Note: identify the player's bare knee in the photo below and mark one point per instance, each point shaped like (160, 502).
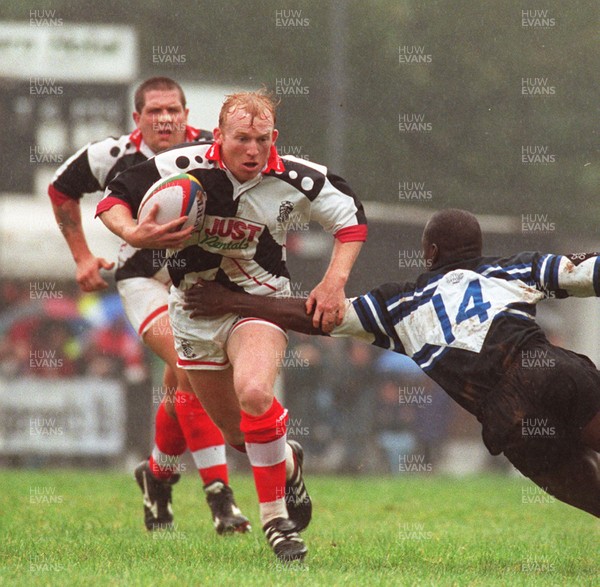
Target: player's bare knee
(256, 405)
(255, 398)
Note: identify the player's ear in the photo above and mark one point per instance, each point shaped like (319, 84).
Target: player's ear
(275, 135)
(136, 118)
(218, 136)
(432, 253)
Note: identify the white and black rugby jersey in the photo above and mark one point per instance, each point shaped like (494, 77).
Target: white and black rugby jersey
(241, 243)
(465, 323)
(93, 167)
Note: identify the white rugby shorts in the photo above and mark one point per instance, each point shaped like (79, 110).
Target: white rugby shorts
(145, 300)
(201, 342)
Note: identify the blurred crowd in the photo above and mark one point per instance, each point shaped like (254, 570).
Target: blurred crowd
(359, 409)
(51, 330)
(355, 408)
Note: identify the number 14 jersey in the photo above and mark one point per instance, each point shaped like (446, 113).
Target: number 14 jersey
(465, 323)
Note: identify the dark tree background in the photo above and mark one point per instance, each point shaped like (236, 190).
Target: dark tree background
(345, 57)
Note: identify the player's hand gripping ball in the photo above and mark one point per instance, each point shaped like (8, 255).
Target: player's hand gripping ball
(177, 195)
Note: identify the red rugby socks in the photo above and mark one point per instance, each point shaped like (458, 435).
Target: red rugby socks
(203, 438)
(169, 445)
(265, 437)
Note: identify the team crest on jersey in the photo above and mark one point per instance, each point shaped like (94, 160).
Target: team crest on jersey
(187, 348)
(455, 277)
(285, 209)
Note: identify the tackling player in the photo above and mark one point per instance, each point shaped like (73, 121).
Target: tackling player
(469, 324)
(142, 281)
(253, 196)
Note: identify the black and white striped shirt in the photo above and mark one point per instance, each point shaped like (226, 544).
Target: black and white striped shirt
(241, 243)
(92, 168)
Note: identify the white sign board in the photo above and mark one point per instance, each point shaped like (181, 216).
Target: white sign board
(31, 245)
(69, 52)
(79, 416)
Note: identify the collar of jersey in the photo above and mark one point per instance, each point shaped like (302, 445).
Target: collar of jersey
(274, 163)
(191, 134)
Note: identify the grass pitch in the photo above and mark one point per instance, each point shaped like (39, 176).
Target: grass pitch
(83, 528)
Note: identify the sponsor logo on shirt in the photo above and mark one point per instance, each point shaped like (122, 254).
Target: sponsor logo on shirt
(220, 235)
(454, 277)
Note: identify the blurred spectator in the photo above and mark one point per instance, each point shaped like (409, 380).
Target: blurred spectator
(432, 422)
(354, 398)
(50, 338)
(54, 351)
(394, 425)
(115, 352)
(39, 346)
(413, 412)
(12, 293)
(307, 394)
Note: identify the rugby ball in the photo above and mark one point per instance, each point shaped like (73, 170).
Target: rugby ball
(177, 195)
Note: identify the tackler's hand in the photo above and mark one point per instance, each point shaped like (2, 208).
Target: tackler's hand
(208, 298)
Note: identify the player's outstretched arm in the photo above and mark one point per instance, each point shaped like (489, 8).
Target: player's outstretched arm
(209, 298)
(68, 217)
(568, 275)
(148, 234)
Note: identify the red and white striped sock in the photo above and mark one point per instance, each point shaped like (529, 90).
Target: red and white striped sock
(169, 445)
(204, 439)
(265, 437)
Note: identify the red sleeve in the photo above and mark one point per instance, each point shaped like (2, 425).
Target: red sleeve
(107, 203)
(350, 234)
(57, 197)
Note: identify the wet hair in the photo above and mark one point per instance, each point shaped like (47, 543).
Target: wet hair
(155, 83)
(456, 233)
(254, 103)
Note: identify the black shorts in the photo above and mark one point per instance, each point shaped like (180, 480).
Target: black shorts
(537, 412)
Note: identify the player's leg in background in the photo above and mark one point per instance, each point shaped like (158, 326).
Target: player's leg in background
(574, 476)
(574, 480)
(560, 463)
(540, 418)
(190, 421)
(156, 475)
(187, 419)
(215, 390)
(256, 350)
(577, 481)
(590, 435)
(169, 440)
